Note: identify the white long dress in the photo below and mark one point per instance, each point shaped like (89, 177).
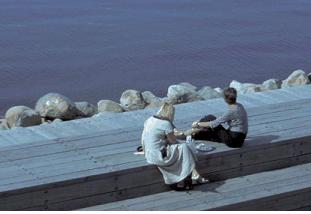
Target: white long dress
(179, 161)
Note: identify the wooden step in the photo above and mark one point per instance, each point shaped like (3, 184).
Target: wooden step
(99, 168)
(65, 172)
(284, 189)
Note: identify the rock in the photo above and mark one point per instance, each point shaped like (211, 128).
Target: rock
(243, 88)
(155, 104)
(57, 120)
(188, 85)
(55, 105)
(298, 77)
(132, 100)
(86, 109)
(209, 93)
(3, 124)
(22, 116)
(104, 114)
(219, 90)
(252, 88)
(109, 106)
(236, 84)
(181, 94)
(272, 84)
(166, 99)
(43, 120)
(309, 76)
(149, 97)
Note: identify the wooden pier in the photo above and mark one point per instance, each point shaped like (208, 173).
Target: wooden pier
(89, 163)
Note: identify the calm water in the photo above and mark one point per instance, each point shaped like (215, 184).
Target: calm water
(96, 49)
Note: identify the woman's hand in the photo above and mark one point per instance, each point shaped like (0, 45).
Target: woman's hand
(171, 138)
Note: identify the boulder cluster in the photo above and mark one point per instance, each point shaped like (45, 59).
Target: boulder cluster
(54, 107)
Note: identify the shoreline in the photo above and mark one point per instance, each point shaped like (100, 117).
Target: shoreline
(54, 107)
(201, 42)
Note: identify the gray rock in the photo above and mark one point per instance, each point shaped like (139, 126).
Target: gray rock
(209, 93)
(22, 116)
(132, 100)
(55, 105)
(86, 109)
(57, 120)
(45, 123)
(3, 124)
(43, 120)
(236, 84)
(252, 88)
(104, 114)
(309, 76)
(298, 77)
(272, 84)
(109, 106)
(219, 90)
(181, 94)
(157, 103)
(243, 88)
(149, 97)
(188, 85)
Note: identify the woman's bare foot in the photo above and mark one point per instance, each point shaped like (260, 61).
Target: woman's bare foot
(197, 178)
(200, 180)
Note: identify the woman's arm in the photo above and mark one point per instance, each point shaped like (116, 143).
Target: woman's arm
(171, 138)
(226, 117)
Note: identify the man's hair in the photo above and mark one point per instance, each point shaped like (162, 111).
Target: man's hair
(230, 95)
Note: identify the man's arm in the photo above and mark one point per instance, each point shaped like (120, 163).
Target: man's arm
(222, 119)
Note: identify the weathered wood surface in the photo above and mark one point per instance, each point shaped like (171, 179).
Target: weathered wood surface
(90, 167)
(96, 149)
(284, 189)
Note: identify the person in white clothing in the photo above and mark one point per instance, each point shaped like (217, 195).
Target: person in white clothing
(175, 160)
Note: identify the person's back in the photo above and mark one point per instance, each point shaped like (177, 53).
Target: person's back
(239, 118)
(154, 139)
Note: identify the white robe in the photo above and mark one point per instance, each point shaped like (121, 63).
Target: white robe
(179, 161)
